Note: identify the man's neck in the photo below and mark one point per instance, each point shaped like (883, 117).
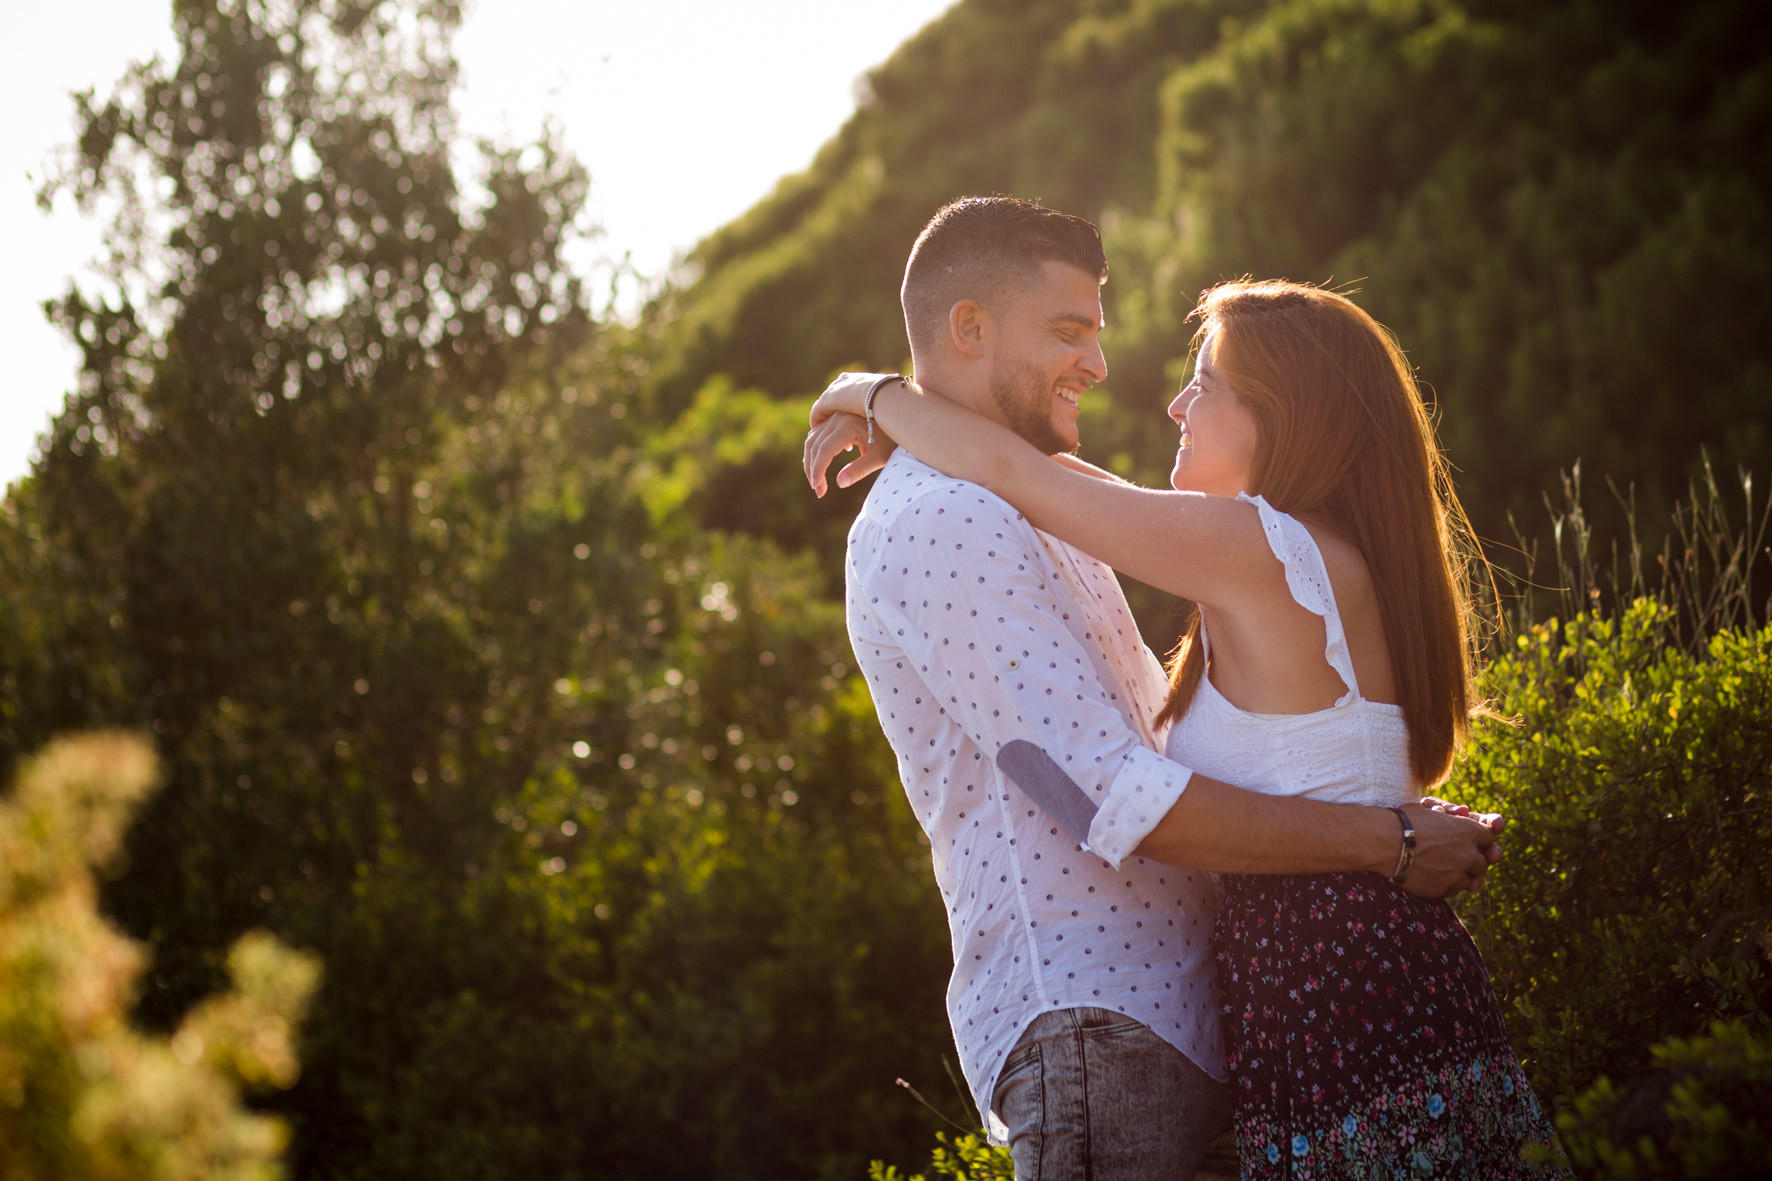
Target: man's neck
(963, 386)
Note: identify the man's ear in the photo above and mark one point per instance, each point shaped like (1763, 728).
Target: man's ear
(970, 328)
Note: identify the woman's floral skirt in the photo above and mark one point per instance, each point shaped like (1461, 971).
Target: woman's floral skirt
(1364, 1040)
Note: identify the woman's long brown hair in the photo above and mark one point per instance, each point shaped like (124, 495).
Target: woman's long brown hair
(1344, 441)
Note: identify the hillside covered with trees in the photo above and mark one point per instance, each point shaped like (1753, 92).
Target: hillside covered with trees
(493, 653)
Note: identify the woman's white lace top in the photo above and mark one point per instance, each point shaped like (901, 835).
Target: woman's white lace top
(1354, 752)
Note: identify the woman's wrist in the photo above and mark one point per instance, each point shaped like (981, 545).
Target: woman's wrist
(867, 402)
(896, 395)
(848, 394)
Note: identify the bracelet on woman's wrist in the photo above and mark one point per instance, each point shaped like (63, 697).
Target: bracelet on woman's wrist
(867, 403)
(1406, 854)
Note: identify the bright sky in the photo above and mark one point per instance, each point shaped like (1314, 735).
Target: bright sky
(686, 112)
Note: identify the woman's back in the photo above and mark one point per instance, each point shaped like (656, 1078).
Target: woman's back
(1274, 716)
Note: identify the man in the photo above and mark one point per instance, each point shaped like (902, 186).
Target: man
(1083, 998)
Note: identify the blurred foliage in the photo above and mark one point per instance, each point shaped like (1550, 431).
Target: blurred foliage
(497, 654)
(963, 1158)
(83, 1095)
(1701, 1113)
(580, 802)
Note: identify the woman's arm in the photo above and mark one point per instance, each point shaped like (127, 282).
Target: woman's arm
(1087, 468)
(1206, 548)
(836, 432)
(834, 436)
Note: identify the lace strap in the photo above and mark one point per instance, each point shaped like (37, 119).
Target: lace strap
(1308, 579)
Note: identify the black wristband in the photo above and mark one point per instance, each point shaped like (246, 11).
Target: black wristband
(1405, 855)
(867, 403)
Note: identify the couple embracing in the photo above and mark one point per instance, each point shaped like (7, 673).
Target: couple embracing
(1174, 897)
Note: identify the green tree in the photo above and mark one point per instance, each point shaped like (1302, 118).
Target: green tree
(1055, 100)
(1555, 207)
(349, 511)
(1561, 209)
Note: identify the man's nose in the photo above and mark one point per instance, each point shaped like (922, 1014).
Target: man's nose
(1094, 363)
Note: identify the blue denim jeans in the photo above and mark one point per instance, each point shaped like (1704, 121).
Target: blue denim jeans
(1092, 1095)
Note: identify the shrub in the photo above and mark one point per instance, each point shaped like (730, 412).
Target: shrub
(83, 1096)
(964, 1158)
(1702, 1111)
(1634, 899)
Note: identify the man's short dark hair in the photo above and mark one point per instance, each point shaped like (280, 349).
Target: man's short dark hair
(986, 249)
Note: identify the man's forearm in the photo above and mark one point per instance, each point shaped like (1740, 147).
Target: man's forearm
(1216, 827)
(1205, 824)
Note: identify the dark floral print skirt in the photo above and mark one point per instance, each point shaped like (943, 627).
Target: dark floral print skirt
(1363, 1039)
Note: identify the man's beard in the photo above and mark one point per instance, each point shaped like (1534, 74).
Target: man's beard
(1025, 400)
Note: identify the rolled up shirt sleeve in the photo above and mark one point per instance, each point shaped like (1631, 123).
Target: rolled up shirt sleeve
(1133, 805)
(966, 590)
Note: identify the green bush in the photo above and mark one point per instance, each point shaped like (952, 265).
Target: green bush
(1702, 1112)
(963, 1158)
(1634, 898)
(83, 1095)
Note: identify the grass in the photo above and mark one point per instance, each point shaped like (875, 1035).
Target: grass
(1712, 554)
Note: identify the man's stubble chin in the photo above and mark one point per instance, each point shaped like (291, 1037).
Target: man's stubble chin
(1024, 398)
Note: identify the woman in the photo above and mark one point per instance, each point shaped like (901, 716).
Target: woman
(1311, 523)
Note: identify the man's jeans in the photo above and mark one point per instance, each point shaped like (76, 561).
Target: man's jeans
(1092, 1095)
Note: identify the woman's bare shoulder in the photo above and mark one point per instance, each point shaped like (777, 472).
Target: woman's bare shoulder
(1349, 575)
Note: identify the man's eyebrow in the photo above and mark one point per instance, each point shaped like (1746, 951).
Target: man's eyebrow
(1076, 318)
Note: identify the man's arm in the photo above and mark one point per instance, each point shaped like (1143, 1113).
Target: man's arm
(1217, 827)
(964, 582)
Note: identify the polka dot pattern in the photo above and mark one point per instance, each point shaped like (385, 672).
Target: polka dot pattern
(973, 629)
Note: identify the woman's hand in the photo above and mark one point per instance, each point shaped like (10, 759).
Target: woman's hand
(836, 434)
(1494, 819)
(846, 395)
(838, 426)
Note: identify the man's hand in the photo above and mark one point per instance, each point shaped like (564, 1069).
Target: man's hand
(1454, 848)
